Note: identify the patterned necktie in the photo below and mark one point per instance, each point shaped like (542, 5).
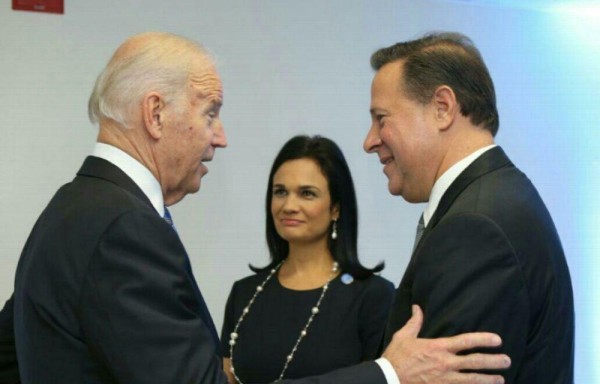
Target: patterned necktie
(419, 234)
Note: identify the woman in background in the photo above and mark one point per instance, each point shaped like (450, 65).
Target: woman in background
(314, 308)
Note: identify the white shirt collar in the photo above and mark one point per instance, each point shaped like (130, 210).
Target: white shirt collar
(443, 183)
(135, 170)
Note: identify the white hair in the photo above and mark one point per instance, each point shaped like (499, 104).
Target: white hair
(153, 61)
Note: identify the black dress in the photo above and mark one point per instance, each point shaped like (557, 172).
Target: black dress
(347, 330)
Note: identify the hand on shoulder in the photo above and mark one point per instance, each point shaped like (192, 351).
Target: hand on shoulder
(435, 361)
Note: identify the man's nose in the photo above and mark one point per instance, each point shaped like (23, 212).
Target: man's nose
(219, 138)
(372, 141)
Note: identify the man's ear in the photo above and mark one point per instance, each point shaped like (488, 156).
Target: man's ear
(153, 114)
(445, 106)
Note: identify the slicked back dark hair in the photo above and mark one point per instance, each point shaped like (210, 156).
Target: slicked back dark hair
(332, 163)
(445, 58)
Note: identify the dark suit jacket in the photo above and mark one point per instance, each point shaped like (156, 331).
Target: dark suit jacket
(104, 292)
(9, 369)
(490, 260)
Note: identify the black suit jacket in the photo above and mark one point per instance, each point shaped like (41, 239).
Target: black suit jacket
(104, 292)
(490, 260)
(9, 369)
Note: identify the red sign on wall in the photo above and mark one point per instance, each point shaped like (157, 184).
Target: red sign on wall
(50, 6)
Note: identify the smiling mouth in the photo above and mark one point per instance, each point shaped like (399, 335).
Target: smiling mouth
(386, 160)
(290, 222)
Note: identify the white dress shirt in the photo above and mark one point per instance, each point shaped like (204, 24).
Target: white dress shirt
(388, 371)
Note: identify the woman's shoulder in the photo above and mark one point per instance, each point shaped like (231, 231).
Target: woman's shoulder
(252, 280)
(243, 288)
(374, 285)
(376, 281)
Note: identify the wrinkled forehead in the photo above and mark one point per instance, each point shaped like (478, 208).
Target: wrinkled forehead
(205, 78)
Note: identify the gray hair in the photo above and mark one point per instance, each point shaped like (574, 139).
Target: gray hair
(152, 61)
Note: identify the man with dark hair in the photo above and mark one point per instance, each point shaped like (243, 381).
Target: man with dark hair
(489, 257)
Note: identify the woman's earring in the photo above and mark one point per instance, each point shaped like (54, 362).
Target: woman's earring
(334, 230)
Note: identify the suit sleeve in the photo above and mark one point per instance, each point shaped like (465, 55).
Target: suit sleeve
(140, 313)
(9, 369)
(467, 279)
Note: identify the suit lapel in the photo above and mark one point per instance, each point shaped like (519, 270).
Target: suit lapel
(490, 161)
(103, 169)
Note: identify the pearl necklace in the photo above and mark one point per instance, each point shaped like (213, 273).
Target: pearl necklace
(313, 312)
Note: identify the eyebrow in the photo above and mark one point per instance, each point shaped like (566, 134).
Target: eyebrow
(374, 110)
(308, 186)
(214, 103)
(215, 98)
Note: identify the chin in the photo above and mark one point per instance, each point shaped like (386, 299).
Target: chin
(413, 198)
(394, 189)
(292, 238)
(284, 235)
(194, 187)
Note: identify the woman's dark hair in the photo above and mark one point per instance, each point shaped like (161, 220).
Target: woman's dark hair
(332, 163)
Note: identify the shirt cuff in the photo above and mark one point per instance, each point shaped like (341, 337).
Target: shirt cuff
(388, 371)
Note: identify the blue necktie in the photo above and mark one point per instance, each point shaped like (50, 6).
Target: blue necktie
(203, 308)
(168, 218)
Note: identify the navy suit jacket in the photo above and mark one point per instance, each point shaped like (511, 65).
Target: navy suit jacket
(104, 292)
(490, 260)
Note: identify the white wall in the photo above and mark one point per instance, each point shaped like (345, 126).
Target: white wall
(302, 67)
